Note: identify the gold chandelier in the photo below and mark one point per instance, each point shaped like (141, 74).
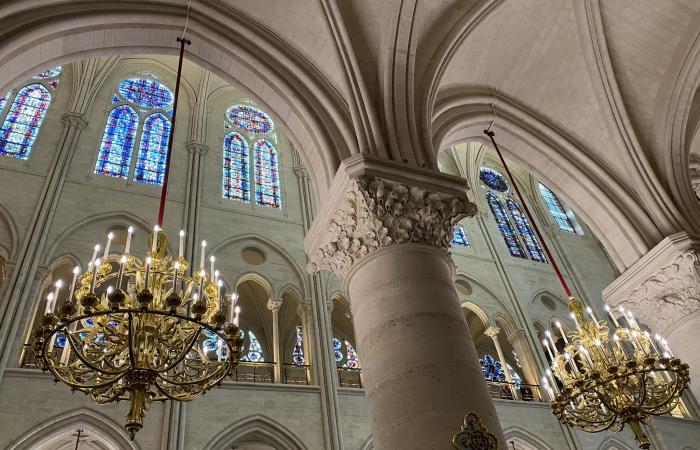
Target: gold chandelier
(606, 377)
(141, 329)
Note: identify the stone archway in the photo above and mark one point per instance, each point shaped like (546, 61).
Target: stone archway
(256, 432)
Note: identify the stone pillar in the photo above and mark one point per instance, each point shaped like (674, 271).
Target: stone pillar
(388, 240)
(492, 332)
(518, 340)
(662, 289)
(274, 306)
(304, 311)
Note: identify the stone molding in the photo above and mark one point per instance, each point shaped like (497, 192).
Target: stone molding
(75, 120)
(663, 287)
(197, 148)
(492, 332)
(380, 207)
(274, 305)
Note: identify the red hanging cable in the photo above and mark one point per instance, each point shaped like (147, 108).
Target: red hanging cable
(164, 192)
(492, 135)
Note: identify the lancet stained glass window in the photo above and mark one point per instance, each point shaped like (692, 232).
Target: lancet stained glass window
(23, 120)
(138, 103)
(505, 226)
(117, 144)
(236, 164)
(267, 181)
(298, 351)
(153, 150)
(352, 360)
(250, 119)
(3, 101)
(254, 349)
(556, 209)
(460, 237)
(531, 243)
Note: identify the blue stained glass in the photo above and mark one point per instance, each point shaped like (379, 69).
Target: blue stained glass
(353, 361)
(145, 93)
(493, 179)
(3, 100)
(460, 237)
(250, 119)
(61, 340)
(298, 351)
(337, 354)
(254, 349)
(504, 226)
(21, 126)
(533, 247)
(153, 151)
(267, 181)
(514, 377)
(236, 168)
(556, 209)
(117, 142)
(50, 73)
(492, 369)
(115, 99)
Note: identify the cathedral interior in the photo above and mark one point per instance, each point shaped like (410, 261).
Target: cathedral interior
(350, 224)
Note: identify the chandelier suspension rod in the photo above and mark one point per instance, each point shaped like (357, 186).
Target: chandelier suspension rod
(164, 192)
(564, 285)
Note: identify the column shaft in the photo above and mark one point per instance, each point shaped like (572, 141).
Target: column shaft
(421, 368)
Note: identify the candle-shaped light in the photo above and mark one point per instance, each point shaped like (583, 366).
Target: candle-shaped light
(202, 254)
(651, 342)
(57, 287)
(181, 249)
(612, 316)
(551, 378)
(149, 261)
(573, 316)
(76, 271)
(589, 310)
(551, 341)
(202, 274)
(130, 231)
(584, 352)
(217, 274)
(232, 305)
(154, 244)
(616, 338)
(94, 255)
(49, 303)
(120, 275)
(218, 296)
(219, 349)
(110, 289)
(94, 274)
(561, 331)
(632, 320)
(664, 342)
(176, 269)
(546, 345)
(545, 383)
(237, 315)
(110, 236)
(212, 260)
(572, 363)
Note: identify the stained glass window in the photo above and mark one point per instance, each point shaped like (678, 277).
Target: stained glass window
(493, 179)
(153, 151)
(146, 93)
(117, 142)
(23, 120)
(505, 226)
(523, 226)
(514, 377)
(492, 369)
(556, 209)
(460, 237)
(352, 360)
(337, 354)
(236, 175)
(249, 119)
(3, 101)
(49, 73)
(298, 351)
(267, 182)
(254, 349)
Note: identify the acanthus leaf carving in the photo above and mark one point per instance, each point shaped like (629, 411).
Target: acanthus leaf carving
(377, 213)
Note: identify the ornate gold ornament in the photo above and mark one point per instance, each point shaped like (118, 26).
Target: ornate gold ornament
(152, 334)
(474, 435)
(609, 377)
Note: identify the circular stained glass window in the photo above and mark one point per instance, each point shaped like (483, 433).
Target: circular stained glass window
(50, 73)
(493, 179)
(250, 119)
(146, 93)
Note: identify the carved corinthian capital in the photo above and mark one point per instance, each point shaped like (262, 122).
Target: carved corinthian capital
(375, 212)
(663, 288)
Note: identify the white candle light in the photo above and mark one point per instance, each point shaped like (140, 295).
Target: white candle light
(610, 313)
(176, 269)
(154, 244)
(94, 274)
(546, 345)
(94, 254)
(561, 331)
(58, 286)
(218, 285)
(551, 377)
(202, 254)
(554, 347)
(232, 305)
(651, 342)
(589, 310)
(202, 274)
(110, 236)
(122, 263)
(212, 259)
(76, 271)
(236, 317)
(130, 231)
(149, 261)
(181, 249)
(49, 303)
(573, 316)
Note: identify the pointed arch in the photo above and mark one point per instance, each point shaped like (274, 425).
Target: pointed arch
(21, 125)
(524, 438)
(613, 443)
(525, 230)
(40, 436)
(257, 428)
(556, 209)
(505, 226)
(6, 218)
(117, 146)
(267, 178)
(236, 179)
(153, 150)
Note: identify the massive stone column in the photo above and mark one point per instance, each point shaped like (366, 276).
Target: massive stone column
(662, 289)
(385, 230)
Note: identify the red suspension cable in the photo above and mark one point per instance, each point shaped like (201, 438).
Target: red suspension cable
(164, 192)
(491, 136)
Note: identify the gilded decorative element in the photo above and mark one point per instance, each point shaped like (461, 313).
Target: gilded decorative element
(474, 435)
